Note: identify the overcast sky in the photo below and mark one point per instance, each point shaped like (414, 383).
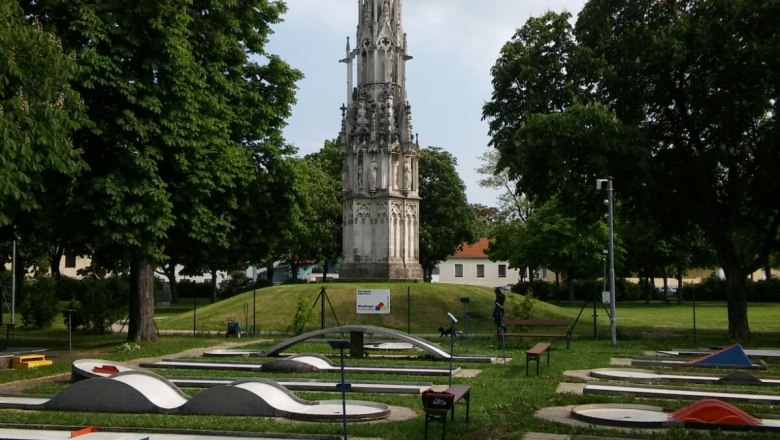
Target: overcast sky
(454, 44)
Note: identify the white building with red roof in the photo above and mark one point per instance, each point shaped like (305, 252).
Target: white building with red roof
(471, 265)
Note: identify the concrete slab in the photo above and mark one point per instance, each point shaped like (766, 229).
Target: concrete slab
(85, 368)
(320, 362)
(573, 388)
(669, 393)
(686, 364)
(652, 376)
(646, 416)
(757, 353)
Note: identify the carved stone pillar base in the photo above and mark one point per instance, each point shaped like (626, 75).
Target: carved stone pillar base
(372, 271)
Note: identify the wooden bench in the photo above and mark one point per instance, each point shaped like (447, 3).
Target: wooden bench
(437, 404)
(534, 353)
(530, 328)
(30, 361)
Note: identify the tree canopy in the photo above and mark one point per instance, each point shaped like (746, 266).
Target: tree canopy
(183, 104)
(39, 111)
(446, 219)
(675, 100)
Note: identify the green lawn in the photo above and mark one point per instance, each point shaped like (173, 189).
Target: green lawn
(504, 399)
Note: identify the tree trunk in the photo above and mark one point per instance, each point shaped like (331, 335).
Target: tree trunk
(170, 273)
(679, 285)
(213, 286)
(570, 286)
(294, 270)
(737, 303)
(141, 323)
(54, 263)
(325, 271)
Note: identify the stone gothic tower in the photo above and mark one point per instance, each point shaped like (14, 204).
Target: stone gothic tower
(379, 153)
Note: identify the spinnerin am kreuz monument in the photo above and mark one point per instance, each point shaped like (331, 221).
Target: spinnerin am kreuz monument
(379, 153)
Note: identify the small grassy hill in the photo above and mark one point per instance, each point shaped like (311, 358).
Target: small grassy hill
(429, 303)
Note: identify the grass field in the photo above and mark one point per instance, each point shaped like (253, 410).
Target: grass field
(504, 399)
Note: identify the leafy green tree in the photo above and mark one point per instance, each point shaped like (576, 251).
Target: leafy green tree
(178, 111)
(677, 101)
(326, 204)
(487, 217)
(512, 203)
(553, 239)
(314, 232)
(699, 79)
(446, 219)
(38, 112)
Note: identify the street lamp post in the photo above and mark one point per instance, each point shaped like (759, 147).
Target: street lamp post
(607, 184)
(454, 321)
(341, 344)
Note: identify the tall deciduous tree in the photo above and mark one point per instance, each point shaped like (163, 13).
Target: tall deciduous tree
(700, 79)
(446, 219)
(38, 112)
(676, 100)
(178, 112)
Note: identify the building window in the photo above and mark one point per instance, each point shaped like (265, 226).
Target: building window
(480, 271)
(70, 261)
(435, 270)
(502, 270)
(458, 271)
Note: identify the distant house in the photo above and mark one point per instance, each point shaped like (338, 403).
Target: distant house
(471, 265)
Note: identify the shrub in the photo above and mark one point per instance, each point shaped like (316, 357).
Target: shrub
(239, 284)
(102, 302)
(189, 289)
(40, 305)
(304, 314)
(524, 308)
(68, 288)
(767, 291)
(541, 289)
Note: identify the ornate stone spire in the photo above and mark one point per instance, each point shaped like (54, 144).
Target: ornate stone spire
(379, 151)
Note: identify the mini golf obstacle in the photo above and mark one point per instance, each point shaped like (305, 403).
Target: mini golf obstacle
(730, 357)
(754, 353)
(678, 393)
(145, 392)
(707, 413)
(738, 377)
(357, 333)
(300, 363)
(376, 346)
(87, 368)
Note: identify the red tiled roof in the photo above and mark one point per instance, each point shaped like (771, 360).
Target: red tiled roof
(476, 250)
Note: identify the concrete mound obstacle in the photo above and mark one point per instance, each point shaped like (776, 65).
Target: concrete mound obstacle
(86, 368)
(261, 397)
(140, 391)
(126, 392)
(706, 413)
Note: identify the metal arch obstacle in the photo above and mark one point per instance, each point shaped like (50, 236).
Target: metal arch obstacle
(429, 347)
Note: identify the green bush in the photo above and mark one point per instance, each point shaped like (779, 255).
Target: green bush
(766, 291)
(101, 303)
(190, 289)
(304, 314)
(68, 288)
(40, 305)
(541, 289)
